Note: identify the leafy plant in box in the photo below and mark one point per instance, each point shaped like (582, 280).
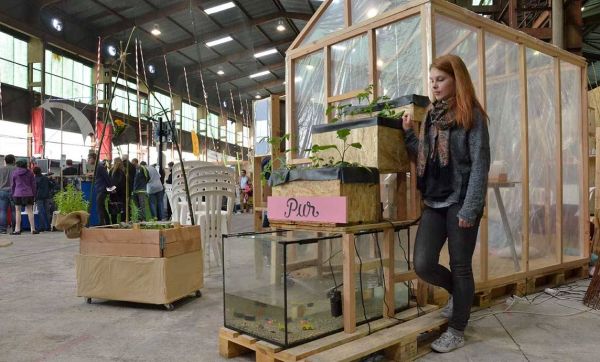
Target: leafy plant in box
(341, 134)
(70, 200)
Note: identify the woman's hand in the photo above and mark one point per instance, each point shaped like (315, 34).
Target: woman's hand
(407, 122)
(462, 223)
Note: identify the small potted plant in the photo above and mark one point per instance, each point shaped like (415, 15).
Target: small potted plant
(72, 211)
(330, 191)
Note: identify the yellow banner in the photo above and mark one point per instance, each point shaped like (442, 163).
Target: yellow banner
(195, 144)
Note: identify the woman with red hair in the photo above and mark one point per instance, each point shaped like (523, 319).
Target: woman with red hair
(453, 159)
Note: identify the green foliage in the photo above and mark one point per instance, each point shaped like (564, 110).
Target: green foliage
(134, 214)
(276, 142)
(70, 200)
(318, 161)
(367, 96)
(336, 111)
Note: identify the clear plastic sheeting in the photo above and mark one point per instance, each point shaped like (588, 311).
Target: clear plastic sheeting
(399, 59)
(367, 9)
(452, 37)
(309, 96)
(349, 65)
(572, 165)
(262, 127)
(504, 199)
(331, 21)
(543, 168)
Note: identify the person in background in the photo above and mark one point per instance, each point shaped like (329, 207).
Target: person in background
(117, 198)
(70, 170)
(246, 189)
(5, 191)
(23, 193)
(170, 182)
(101, 183)
(452, 154)
(42, 199)
(156, 192)
(129, 168)
(139, 189)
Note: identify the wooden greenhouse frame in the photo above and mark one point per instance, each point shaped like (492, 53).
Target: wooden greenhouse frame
(528, 275)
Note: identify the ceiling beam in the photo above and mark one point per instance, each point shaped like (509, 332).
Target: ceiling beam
(144, 19)
(173, 47)
(260, 86)
(246, 54)
(270, 68)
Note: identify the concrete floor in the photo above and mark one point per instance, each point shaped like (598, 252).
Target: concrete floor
(43, 320)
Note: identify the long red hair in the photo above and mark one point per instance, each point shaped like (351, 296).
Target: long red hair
(466, 101)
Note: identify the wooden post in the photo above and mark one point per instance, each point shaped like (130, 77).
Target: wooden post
(349, 297)
(559, 172)
(483, 228)
(388, 272)
(525, 159)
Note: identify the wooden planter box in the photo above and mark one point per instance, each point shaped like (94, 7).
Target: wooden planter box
(358, 186)
(113, 241)
(382, 142)
(413, 104)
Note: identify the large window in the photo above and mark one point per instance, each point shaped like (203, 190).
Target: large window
(68, 79)
(126, 101)
(246, 137)
(231, 132)
(189, 115)
(13, 61)
(213, 126)
(13, 138)
(158, 101)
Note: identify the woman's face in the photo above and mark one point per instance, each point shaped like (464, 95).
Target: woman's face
(442, 84)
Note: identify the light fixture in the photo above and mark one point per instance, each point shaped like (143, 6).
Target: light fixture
(280, 26)
(225, 104)
(265, 53)
(310, 67)
(582, 8)
(338, 47)
(257, 96)
(260, 74)
(212, 43)
(155, 30)
(151, 69)
(372, 12)
(379, 63)
(57, 24)
(216, 9)
(298, 79)
(111, 50)
(220, 72)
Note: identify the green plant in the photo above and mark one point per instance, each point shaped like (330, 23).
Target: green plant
(276, 142)
(70, 200)
(372, 103)
(341, 134)
(339, 111)
(134, 215)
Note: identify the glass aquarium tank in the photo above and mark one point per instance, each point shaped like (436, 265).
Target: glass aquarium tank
(285, 287)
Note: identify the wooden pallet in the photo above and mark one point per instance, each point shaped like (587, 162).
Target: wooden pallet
(232, 343)
(399, 343)
(487, 297)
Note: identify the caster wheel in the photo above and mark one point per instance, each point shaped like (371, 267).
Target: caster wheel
(88, 300)
(198, 294)
(169, 306)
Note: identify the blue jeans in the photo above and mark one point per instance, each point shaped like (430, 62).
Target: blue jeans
(436, 225)
(156, 204)
(5, 205)
(43, 206)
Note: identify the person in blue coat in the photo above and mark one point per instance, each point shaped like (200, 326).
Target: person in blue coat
(101, 183)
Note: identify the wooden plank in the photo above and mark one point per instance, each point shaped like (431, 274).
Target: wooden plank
(347, 13)
(308, 27)
(405, 276)
(373, 78)
(525, 158)
(402, 333)
(290, 109)
(585, 225)
(483, 228)
(342, 97)
(327, 79)
(388, 272)
(559, 247)
(349, 302)
(301, 352)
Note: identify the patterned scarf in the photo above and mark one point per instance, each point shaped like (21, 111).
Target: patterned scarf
(441, 123)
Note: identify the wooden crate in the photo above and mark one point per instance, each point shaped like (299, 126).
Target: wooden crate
(382, 143)
(233, 344)
(363, 200)
(111, 241)
(487, 297)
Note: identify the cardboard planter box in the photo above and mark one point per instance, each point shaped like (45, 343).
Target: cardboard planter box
(141, 280)
(148, 243)
(413, 104)
(341, 196)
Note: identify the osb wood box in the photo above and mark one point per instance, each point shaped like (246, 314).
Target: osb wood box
(148, 243)
(413, 104)
(382, 141)
(359, 185)
(140, 280)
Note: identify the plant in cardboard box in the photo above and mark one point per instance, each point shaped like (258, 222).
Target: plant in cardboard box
(72, 211)
(329, 190)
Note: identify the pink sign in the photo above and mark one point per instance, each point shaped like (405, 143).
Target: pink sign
(308, 208)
